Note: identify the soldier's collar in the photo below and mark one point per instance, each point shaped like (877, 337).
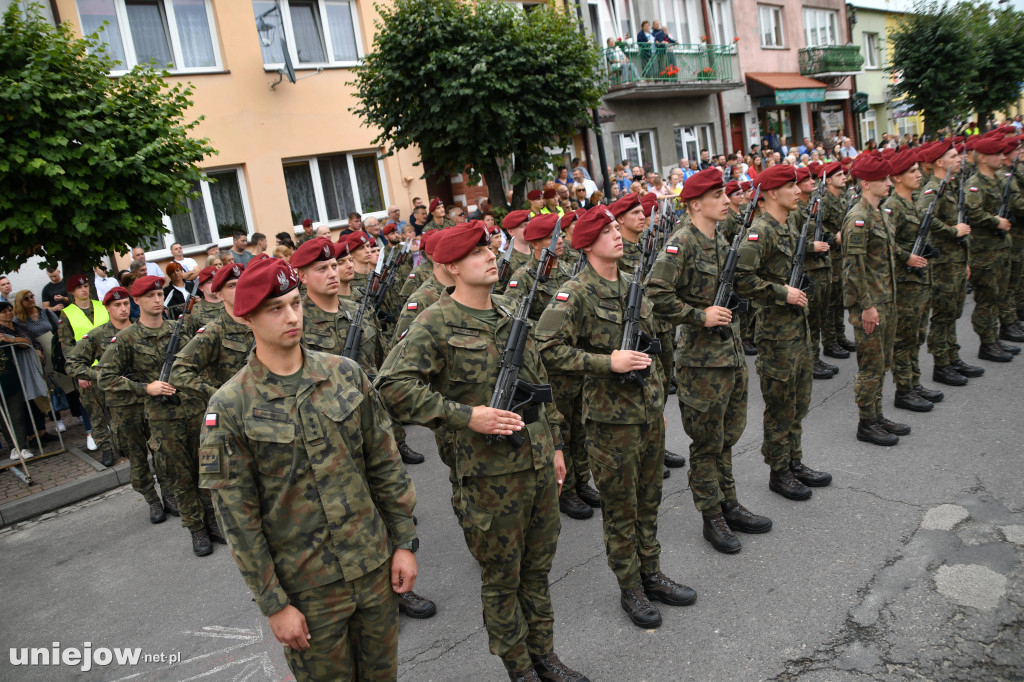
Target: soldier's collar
(311, 370)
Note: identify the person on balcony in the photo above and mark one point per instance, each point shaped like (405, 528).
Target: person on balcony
(645, 35)
(660, 35)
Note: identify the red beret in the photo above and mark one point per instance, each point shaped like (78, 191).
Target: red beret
(648, 201)
(989, 145)
(354, 240)
(746, 186)
(206, 274)
(571, 217)
(590, 225)
(115, 294)
(869, 166)
(389, 228)
(775, 177)
(434, 204)
(699, 183)
(146, 284)
(731, 187)
(307, 223)
(803, 174)
(270, 279)
(429, 240)
(959, 139)
(888, 152)
(311, 251)
(541, 227)
(626, 202)
(226, 274)
(933, 151)
(259, 258)
(829, 169)
(971, 142)
(550, 193)
(456, 242)
(846, 161)
(1011, 144)
(75, 281)
(514, 219)
(534, 194)
(903, 161)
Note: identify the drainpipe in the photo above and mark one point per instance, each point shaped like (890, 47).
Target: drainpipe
(726, 131)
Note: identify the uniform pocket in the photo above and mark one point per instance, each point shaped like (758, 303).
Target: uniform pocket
(771, 370)
(471, 355)
(271, 443)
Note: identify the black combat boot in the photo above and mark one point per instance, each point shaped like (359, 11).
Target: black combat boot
(892, 427)
(908, 400)
(201, 542)
(928, 394)
(820, 371)
(717, 532)
(524, 675)
(666, 473)
(743, 520)
(639, 609)
(831, 368)
(786, 484)
(1008, 333)
(808, 476)
(749, 348)
(213, 530)
(1008, 347)
(171, 505)
(415, 606)
(674, 461)
(156, 511)
(659, 587)
(672, 386)
(992, 351)
(946, 374)
(572, 506)
(589, 495)
(969, 371)
(548, 667)
(848, 344)
(107, 459)
(409, 456)
(836, 351)
(870, 432)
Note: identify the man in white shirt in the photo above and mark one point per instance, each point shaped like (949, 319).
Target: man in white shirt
(847, 150)
(190, 267)
(152, 269)
(103, 282)
(580, 179)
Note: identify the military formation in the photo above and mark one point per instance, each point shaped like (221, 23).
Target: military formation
(541, 357)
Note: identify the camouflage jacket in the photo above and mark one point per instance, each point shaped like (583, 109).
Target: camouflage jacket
(133, 359)
(577, 334)
(203, 314)
(631, 253)
(212, 356)
(728, 227)
(835, 214)
(522, 279)
(516, 261)
(942, 232)
(684, 282)
(904, 221)
(326, 332)
(765, 263)
(432, 224)
(797, 220)
(444, 367)
(309, 488)
(869, 263)
(415, 278)
(83, 359)
(983, 197)
(427, 295)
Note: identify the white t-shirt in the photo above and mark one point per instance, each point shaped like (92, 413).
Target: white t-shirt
(104, 284)
(187, 264)
(154, 270)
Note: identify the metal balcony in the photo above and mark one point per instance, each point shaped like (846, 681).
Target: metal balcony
(645, 71)
(831, 61)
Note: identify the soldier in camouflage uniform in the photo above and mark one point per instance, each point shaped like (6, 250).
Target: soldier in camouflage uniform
(581, 333)
(310, 490)
(128, 419)
(869, 271)
(782, 337)
(990, 251)
(1017, 274)
(833, 333)
(710, 367)
(514, 224)
(207, 309)
(1009, 317)
(913, 286)
(438, 219)
(307, 233)
(748, 318)
(441, 375)
(576, 490)
(132, 363)
(425, 296)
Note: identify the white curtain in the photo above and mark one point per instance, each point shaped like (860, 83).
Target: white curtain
(149, 35)
(226, 197)
(194, 33)
(306, 27)
(343, 34)
(299, 182)
(369, 183)
(337, 186)
(93, 14)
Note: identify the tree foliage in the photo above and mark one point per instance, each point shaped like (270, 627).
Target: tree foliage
(484, 85)
(88, 163)
(951, 59)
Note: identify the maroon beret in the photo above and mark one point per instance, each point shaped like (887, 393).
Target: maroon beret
(775, 177)
(75, 281)
(514, 219)
(259, 258)
(903, 161)
(731, 188)
(550, 193)
(206, 274)
(571, 217)
(746, 186)
(888, 152)
(700, 183)
(311, 251)
(649, 201)
(456, 242)
(590, 225)
(429, 240)
(534, 194)
(971, 142)
(803, 174)
(226, 274)
(829, 169)
(933, 151)
(269, 279)
(541, 227)
(846, 161)
(871, 166)
(389, 228)
(355, 240)
(146, 284)
(989, 145)
(434, 203)
(115, 294)
(307, 223)
(626, 202)
(1011, 144)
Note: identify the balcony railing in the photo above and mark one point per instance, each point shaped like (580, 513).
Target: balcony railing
(831, 60)
(631, 63)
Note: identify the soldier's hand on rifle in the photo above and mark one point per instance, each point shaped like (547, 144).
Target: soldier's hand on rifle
(917, 262)
(820, 247)
(1004, 224)
(289, 626)
(629, 361)
(962, 229)
(717, 316)
(559, 469)
(159, 388)
(795, 297)
(492, 421)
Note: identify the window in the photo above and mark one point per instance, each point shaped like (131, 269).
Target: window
(316, 32)
(675, 19)
(871, 60)
(327, 188)
(821, 27)
(906, 125)
(771, 26)
(637, 148)
(690, 140)
(868, 126)
(722, 26)
(174, 34)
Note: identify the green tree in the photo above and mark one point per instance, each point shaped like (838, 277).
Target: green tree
(88, 163)
(934, 56)
(484, 85)
(1000, 58)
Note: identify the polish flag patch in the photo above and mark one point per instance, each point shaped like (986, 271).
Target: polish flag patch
(200, 330)
(112, 339)
(562, 296)
(412, 275)
(858, 223)
(973, 189)
(889, 211)
(513, 284)
(403, 335)
(672, 249)
(752, 237)
(413, 306)
(211, 419)
(928, 191)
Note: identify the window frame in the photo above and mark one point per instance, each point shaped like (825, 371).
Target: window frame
(867, 120)
(728, 23)
(697, 133)
(778, 26)
(620, 135)
(325, 33)
(318, 188)
(818, 18)
(871, 54)
(177, 55)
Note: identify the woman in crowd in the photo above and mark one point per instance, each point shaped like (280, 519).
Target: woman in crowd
(23, 378)
(282, 251)
(39, 325)
(175, 293)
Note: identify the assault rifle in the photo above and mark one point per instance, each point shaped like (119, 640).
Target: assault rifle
(819, 217)
(1004, 207)
(172, 345)
(510, 392)
(396, 258)
(921, 246)
(505, 263)
(725, 297)
(633, 337)
(580, 264)
(355, 330)
(797, 278)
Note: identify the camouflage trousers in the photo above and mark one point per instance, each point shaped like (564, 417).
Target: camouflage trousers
(1013, 308)
(353, 628)
(398, 431)
(95, 404)
(747, 322)
(628, 461)
(178, 443)
(131, 430)
(990, 277)
(569, 401)
(784, 368)
(949, 290)
(834, 328)
(912, 306)
(713, 406)
(874, 359)
(817, 306)
(511, 525)
(667, 356)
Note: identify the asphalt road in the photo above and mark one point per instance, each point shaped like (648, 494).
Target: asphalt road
(908, 566)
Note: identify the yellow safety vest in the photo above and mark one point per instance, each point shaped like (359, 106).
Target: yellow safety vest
(80, 324)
